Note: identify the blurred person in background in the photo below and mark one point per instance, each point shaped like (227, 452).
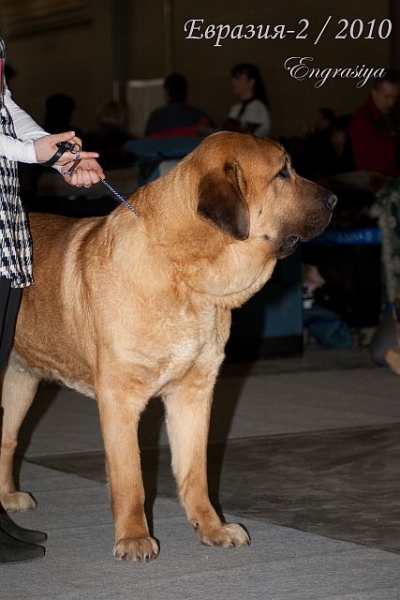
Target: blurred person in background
(250, 113)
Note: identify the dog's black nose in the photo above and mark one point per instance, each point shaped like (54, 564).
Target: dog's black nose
(330, 200)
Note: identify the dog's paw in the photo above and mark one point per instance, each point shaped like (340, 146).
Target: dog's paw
(136, 549)
(228, 535)
(18, 502)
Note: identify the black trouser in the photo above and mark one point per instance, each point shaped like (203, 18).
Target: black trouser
(10, 299)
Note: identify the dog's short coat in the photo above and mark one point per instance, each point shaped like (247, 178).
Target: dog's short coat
(128, 307)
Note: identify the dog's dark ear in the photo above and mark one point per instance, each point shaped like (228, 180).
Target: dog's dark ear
(222, 202)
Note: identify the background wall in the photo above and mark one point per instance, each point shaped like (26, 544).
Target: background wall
(293, 104)
(128, 39)
(76, 60)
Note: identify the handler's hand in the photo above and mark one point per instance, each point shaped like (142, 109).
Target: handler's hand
(87, 172)
(46, 147)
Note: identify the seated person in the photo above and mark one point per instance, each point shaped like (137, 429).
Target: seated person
(375, 139)
(59, 110)
(316, 144)
(335, 156)
(250, 114)
(110, 136)
(176, 117)
(374, 129)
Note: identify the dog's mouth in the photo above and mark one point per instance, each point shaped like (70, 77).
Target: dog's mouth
(289, 245)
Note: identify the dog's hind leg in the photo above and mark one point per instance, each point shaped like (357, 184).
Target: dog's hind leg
(188, 414)
(19, 389)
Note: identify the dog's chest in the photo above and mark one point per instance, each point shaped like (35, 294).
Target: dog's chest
(181, 357)
(184, 350)
(184, 347)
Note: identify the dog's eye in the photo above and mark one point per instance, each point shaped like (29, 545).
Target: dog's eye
(284, 172)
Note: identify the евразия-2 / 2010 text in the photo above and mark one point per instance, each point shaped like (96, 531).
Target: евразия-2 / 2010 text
(355, 29)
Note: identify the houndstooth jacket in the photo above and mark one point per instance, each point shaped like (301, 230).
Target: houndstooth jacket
(17, 134)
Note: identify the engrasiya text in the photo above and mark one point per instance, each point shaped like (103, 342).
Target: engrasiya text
(299, 69)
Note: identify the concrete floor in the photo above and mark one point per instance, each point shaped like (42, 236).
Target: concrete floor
(332, 474)
(310, 443)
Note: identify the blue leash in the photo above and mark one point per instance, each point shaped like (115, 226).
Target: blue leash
(118, 196)
(103, 181)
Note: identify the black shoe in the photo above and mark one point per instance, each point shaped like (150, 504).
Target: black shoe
(12, 550)
(20, 533)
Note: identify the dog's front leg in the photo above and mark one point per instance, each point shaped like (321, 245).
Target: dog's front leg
(119, 415)
(188, 415)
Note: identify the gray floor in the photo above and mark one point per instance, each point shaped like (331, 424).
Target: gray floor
(304, 452)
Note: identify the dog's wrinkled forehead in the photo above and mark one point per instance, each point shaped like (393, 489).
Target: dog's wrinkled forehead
(273, 160)
(243, 149)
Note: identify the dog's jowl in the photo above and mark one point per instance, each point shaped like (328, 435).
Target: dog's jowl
(135, 305)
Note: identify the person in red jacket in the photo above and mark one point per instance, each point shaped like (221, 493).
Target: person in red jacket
(374, 129)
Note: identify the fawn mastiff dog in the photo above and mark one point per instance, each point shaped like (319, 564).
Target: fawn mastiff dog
(136, 305)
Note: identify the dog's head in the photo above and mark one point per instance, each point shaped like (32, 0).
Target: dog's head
(251, 190)
(230, 209)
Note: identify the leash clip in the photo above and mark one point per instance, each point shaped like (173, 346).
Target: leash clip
(72, 168)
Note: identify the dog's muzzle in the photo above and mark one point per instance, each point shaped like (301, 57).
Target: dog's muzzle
(291, 242)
